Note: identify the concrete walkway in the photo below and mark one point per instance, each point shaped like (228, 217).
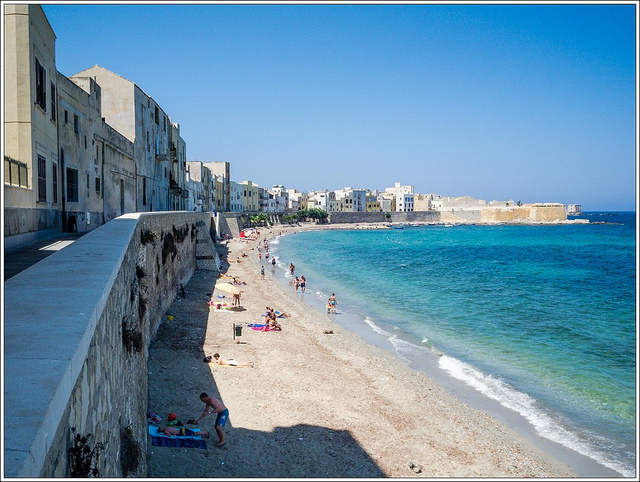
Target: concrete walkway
(16, 260)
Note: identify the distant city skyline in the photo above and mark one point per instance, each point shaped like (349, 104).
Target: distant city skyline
(535, 103)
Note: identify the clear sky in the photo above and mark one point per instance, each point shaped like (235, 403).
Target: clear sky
(535, 103)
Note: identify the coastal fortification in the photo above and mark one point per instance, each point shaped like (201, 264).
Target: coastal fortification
(528, 213)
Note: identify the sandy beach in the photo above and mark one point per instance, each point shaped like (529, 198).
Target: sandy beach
(316, 404)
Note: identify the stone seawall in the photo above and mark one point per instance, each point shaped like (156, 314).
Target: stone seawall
(380, 217)
(77, 330)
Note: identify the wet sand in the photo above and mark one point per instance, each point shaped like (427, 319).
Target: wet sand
(316, 404)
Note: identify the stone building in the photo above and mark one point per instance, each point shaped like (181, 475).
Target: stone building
(96, 162)
(221, 169)
(202, 184)
(32, 190)
(178, 190)
(137, 116)
(250, 196)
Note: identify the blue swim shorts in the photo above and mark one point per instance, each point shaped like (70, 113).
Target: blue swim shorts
(222, 417)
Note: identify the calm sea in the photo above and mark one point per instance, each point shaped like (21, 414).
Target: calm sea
(541, 319)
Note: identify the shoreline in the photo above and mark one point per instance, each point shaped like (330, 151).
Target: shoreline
(426, 362)
(316, 404)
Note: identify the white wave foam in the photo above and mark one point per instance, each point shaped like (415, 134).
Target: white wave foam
(322, 295)
(375, 327)
(526, 406)
(406, 350)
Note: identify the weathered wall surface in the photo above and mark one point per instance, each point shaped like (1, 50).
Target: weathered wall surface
(537, 213)
(396, 217)
(23, 224)
(77, 331)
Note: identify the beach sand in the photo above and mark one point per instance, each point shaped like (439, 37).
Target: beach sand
(316, 404)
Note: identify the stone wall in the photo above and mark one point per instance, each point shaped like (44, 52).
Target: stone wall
(529, 213)
(380, 217)
(21, 225)
(77, 330)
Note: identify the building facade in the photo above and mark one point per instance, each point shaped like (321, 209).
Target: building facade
(129, 110)
(32, 189)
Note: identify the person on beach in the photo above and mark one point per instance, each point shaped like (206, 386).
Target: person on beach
(303, 283)
(333, 303)
(236, 299)
(296, 283)
(182, 432)
(273, 262)
(262, 272)
(213, 405)
(231, 362)
(292, 268)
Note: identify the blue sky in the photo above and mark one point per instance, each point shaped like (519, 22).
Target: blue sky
(535, 103)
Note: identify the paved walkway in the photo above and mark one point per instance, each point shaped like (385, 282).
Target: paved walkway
(16, 260)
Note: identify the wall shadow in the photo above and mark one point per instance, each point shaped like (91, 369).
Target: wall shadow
(177, 375)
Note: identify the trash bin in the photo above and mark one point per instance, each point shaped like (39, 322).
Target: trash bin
(238, 329)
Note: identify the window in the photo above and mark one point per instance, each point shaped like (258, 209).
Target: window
(66, 116)
(97, 184)
(41, 86)
(85, 142)
(88, 189)
(157, 116)
(144, 191)
(76, 124)
(72, 185)
(53, 102)
(42, 179)
(55, 183)
(15, 172)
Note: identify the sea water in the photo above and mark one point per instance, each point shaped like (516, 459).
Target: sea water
(540, 318)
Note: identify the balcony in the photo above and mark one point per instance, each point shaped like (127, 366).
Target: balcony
(162, 154)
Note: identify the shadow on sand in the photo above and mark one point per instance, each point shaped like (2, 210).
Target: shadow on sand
(316, 452)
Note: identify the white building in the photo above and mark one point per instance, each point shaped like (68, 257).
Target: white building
(236, 197)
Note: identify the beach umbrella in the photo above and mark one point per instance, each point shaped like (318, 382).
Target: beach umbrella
(228, 287)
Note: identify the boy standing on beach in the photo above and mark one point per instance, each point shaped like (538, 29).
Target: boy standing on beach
(213, 405)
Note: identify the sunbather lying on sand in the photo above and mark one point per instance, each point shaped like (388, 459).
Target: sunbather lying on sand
(182, 432)
(232, 363)
(278, 314)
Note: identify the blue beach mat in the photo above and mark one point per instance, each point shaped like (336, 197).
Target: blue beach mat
(162, 440)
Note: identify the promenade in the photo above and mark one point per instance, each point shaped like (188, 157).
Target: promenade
(18, 259)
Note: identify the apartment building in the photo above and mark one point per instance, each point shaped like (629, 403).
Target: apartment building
(236, 197)
(137, 116)
(295, 199)
(250, 196)
(178, 190)
(201, 185)
(372, 203)
(222, 170)
(32, 199)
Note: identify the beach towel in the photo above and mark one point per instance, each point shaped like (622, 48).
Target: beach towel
(258, 327)
(162, 440)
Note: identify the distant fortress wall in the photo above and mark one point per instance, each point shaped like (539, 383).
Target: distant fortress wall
(380, 217)
(529, 213)
(77, 331)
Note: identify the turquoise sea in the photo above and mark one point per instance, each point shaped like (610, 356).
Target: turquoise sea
(540, 318)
